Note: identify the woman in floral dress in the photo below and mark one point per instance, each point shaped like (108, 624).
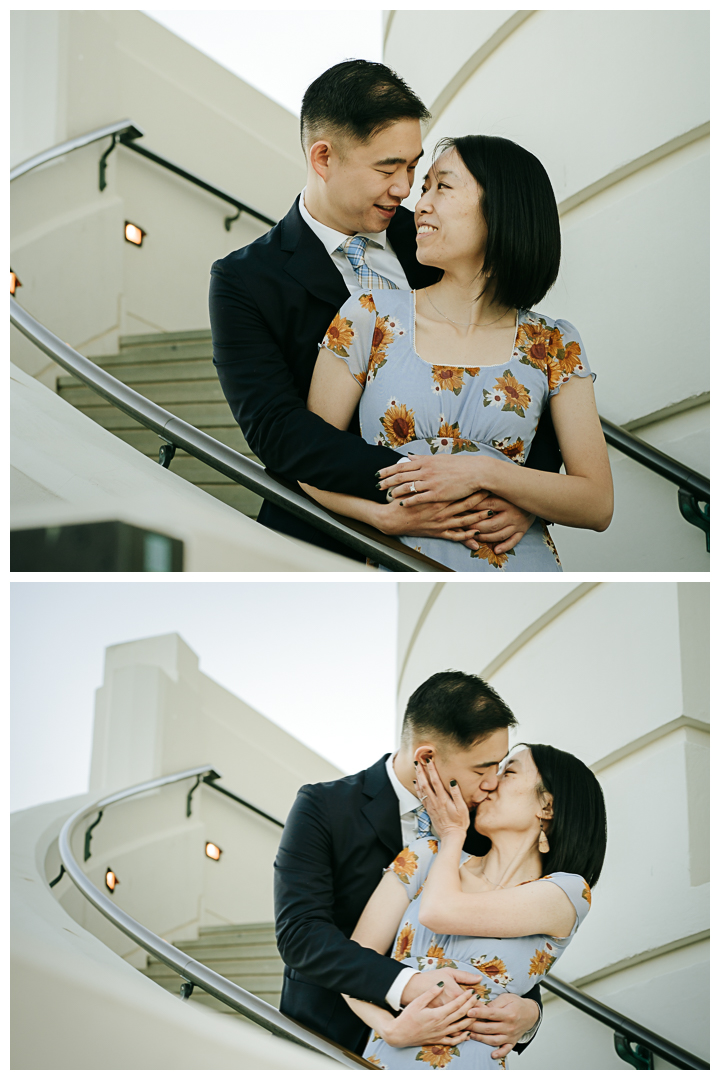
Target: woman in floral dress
(456, 376)
(506, 917)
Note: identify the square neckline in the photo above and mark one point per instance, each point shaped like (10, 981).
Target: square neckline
(463, 367)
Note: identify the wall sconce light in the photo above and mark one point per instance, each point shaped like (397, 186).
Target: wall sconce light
(134, 234)
(213, 851)
(15, 282)
(110, 880)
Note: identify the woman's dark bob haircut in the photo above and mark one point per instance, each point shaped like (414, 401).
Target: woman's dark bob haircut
(522, 257)
(577, 832)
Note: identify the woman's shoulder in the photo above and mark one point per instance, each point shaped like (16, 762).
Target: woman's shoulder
(574, 885)
(545, 322)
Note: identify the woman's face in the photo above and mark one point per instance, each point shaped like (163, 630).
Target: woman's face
(450, 226)
(515, 804)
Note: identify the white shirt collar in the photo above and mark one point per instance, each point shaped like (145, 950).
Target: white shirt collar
(408, 802)
(330, 238)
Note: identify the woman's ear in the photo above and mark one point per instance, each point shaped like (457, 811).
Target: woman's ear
(545, 812)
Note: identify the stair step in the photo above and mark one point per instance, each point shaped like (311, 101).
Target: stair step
(262, 958)
(149, 371)
(239, 928)
(132, 340)
(175, 371)
(166, 394)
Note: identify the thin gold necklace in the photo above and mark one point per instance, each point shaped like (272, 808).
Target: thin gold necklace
(494, 884)
(467, 323)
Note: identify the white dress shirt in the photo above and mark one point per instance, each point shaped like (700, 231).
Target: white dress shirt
(379, 254)
(408, 804)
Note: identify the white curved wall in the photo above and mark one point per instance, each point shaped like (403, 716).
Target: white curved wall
(616, 106)
(618, 675)
(74, 71)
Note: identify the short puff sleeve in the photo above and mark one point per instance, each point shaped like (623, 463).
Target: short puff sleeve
(566, 357)
(578, 893)
(412, 865)
(350, 334)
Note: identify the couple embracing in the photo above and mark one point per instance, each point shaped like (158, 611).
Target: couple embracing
(394, 364)
(419, 902)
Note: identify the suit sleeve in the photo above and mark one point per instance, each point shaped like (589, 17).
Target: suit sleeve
(267, 404)
(308, 940)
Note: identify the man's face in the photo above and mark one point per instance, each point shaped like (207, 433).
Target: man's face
(365, 184)
(475, 769)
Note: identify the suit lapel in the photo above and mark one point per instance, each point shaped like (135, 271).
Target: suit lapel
(382, 810)
(309, 264)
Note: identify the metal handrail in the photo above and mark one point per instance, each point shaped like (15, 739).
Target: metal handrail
(693, 487)
(623, 1026)
(266, 1015)
(195, 973)
(124, 133)
(179, 433)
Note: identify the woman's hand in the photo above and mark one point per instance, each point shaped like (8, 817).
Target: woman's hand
(447, 810)
(421, 1024)
(440, 478)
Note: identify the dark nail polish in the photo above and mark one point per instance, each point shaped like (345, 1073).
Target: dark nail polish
(377, 475)
(402, 503)
(441, 984)
(414, 762)
(378, 486)
(453, 783)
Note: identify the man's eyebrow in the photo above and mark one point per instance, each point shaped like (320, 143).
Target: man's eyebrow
(486, 764)
(398, 160)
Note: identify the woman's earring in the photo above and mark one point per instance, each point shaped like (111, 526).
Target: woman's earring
(543, 846)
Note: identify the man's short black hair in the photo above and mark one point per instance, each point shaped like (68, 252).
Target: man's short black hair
(577, 831)
(456, 708)
(355, 100)
(522, 257)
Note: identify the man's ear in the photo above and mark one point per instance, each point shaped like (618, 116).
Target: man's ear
(425, 750)
(319, 157)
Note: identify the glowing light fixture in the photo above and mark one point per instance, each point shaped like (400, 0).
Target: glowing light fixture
(15, 282)
(134, 234)
(110, 880)
(213, 851)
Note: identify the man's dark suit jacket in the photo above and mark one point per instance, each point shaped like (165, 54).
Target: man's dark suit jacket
(338, 839)
(270, 305)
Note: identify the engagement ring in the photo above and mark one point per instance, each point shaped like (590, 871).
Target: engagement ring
(412, 488)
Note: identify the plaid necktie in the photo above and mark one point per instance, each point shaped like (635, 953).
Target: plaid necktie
(424, 826)
(354, 248)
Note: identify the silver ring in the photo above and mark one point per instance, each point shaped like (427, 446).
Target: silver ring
(424, 797)
(389, 495)
(412, 487)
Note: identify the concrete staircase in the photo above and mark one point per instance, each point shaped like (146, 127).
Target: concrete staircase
(247, 955)
(175, 371)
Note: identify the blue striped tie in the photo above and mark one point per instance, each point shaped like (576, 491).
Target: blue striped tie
(354, 248)
(424, 826)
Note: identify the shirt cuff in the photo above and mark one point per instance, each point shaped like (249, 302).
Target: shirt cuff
(533, 1030)
(394, 994)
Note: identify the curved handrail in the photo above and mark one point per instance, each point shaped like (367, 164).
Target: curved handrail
(261, 1012)
(121, 128)
(693, 487)
(125, 132)
(239, 468)
(636, 1033)
(193, 971)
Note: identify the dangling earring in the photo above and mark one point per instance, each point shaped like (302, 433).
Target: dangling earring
(543, 846)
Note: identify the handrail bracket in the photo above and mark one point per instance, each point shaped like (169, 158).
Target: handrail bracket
(690, 510)
(102, 182)
(229, 220)
(637, 1055)
(166, 454)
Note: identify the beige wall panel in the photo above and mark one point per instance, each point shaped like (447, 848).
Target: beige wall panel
(647, 531)
(587, 91)
(494, 617)
(633, 257)
(37, 102)
(449, 38)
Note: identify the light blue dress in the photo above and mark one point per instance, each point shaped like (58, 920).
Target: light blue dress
(503, 965)
(420, 408)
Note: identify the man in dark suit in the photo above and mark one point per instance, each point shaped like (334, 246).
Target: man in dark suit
(340, 836)
(272, 301)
